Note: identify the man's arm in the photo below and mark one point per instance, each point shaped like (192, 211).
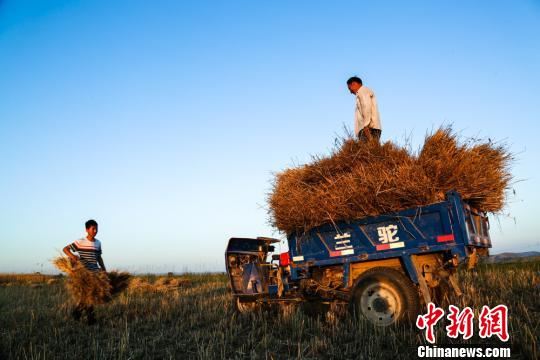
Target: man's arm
(358, 119)
(101, 264)
(365, 107)
(70, 255)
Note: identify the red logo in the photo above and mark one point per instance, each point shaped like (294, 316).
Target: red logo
(460, 322)
(490, 322)
(429, 320)
(494, 322)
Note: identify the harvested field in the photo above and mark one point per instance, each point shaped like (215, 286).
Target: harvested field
(197, 322)
(91, 288)
(26, 279)
(366, 179)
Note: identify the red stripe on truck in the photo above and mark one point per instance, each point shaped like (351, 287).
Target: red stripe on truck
(445, 238)
(284, 259)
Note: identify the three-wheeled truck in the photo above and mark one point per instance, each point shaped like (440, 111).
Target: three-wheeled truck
(384, 268)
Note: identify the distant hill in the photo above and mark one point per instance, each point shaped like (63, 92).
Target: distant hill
(514, 257)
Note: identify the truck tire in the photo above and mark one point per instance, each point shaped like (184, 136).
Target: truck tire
(244, 307)
(385, 296)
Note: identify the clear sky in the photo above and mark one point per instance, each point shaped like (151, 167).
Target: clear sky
(165, 120)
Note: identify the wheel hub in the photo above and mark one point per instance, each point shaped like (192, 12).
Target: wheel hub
(380, 303)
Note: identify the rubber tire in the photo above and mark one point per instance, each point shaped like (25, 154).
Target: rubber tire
(405, 295)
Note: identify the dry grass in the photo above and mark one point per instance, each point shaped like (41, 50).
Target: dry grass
(25, 279)
(85, 287)
(162, 284)
(119, 281)
(366, 179)
(197, 322)
(91, 288)
(479, 171)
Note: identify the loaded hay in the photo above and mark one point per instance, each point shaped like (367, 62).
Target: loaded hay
(362, 179)
(91, 288)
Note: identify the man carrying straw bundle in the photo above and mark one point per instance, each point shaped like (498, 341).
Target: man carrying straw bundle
(367, 123)
(89, 250)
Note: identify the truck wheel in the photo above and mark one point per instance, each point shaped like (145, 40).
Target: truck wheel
(245, 307)
(385, 296)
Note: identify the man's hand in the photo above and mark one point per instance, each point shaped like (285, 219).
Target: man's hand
(101, 264)
(73, 260)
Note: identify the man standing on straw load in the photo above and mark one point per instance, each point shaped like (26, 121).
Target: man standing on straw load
(89, 250)
(367, 124)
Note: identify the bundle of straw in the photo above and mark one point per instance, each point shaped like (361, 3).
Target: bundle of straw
(162, 284)
(480, 172)
(119, 281)
(365, 179)
(91, 288)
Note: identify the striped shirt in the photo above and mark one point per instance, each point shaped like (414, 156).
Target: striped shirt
(88, 252)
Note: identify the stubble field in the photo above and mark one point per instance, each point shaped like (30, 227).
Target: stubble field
(196, 321)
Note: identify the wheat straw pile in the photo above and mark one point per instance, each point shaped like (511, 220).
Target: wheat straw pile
(366, 179)
(91, 288)
(162, 284)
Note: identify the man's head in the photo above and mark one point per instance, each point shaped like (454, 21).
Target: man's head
(354, 84)
(91, 229)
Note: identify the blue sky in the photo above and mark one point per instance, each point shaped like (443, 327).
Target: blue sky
(165, 121)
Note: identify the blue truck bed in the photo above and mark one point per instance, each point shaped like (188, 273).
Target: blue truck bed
(450, 226)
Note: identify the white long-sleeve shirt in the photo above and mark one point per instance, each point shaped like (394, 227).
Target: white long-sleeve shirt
(367, 112)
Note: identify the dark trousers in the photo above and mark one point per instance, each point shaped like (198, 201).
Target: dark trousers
(84, 309)
(374, 134)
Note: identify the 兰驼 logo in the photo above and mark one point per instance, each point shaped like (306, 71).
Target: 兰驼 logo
(388, 237)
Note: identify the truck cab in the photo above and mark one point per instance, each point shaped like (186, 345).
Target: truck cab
(251, 269)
